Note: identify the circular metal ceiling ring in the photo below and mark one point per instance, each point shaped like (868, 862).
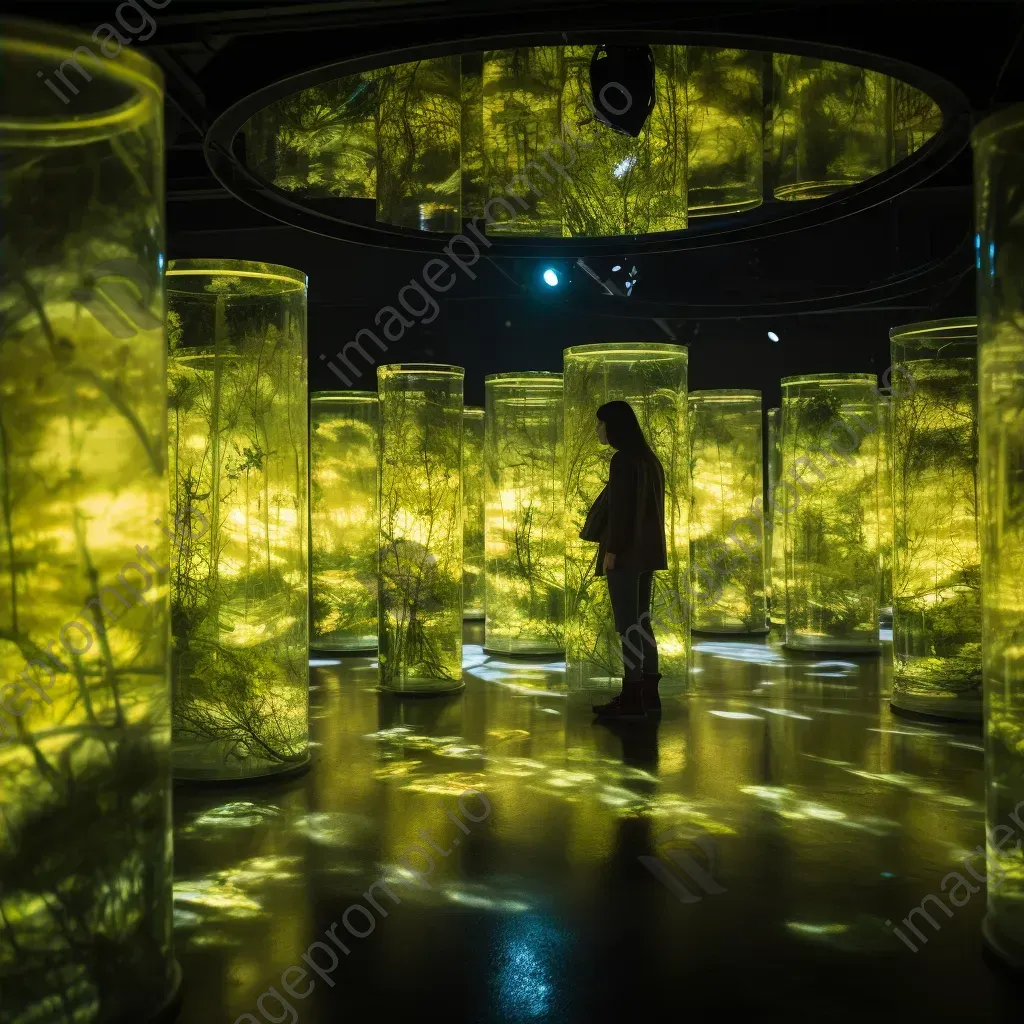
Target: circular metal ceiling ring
(769, 219)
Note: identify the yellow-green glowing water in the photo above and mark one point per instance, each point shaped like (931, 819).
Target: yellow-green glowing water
(831, 449)
(999, 163)
(238, 458)
(420, 545)
(343, 520)
(525, 540)
(473, 588)
(85, 912)
(727, 564)
(937, 561)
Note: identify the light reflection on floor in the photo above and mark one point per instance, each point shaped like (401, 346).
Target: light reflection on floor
(827, 815)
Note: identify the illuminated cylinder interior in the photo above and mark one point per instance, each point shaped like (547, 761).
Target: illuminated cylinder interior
(885, 509)
(420, 547)
(343, 453)
(835, 125)
(727, 564)
(85, 842)
(999, 167)
(524, 501)
(724, 130)
(828, 493)
(419, 128)
(473, 513)
(652, 378)
(936, 566)
(237, 426)
(776, 541)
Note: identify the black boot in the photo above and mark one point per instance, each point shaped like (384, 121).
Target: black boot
(628, 704)
(649, 687)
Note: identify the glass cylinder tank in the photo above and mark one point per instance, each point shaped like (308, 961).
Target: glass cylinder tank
(85, 825)
(343, 455)
(473, 513)
(652, 378)
(936, 556)
(776, 545)
(524, 531)
(420, 545)
(830, 450)
(727, 568)
(239, 468)
(835, 125)
(885, 509)
(999, 168)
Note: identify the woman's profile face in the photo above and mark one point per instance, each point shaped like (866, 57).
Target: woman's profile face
(602, 432)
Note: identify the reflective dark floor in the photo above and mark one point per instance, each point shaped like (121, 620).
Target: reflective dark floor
(744, 853)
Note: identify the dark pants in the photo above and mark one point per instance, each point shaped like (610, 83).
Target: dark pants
(630, 593)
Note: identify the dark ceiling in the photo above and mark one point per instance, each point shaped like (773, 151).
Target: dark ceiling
(830, 292)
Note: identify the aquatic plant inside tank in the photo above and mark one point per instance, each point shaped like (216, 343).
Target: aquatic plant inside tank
(998, 167)
(524, 531)
(237, 426)
(343, 520)
(85, 540)
(831, 450)
(727, 564)
(420, 542)
(473, 588)
(936, 568)
(776, 541)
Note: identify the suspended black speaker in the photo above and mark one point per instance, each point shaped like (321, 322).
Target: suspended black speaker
(622, 86)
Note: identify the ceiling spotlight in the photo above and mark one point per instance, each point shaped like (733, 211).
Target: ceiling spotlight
(772, 336)
(622, 87)
(616, 268)
(550, 277)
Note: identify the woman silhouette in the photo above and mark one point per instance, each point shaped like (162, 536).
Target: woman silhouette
(629, 525)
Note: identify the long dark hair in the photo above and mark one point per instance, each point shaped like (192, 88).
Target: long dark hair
(622, 427)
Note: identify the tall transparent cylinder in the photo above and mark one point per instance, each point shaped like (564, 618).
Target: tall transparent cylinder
(420, 545)
(773, 521)
(85, 825)
(936, 554)
(524, 532)
(343, 454)
(652, 378)
(999, 168)
(831, 447)
(238, 451)
(727, 563)
(473, 588)
(885, 509)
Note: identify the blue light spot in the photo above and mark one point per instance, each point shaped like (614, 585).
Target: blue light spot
(551, 278)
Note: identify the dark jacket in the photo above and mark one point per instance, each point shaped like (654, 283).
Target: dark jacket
(635, 530)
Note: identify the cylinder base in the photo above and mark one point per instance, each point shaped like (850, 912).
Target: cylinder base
(730, 632)
(171, 1007)
(523, 655)
(905, 711)
(837, 649)
(455, 688)
(1009, 956)
(348, 652)
(181, 778)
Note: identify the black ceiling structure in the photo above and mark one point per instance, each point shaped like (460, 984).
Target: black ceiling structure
(877, 255)
(771, 218)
